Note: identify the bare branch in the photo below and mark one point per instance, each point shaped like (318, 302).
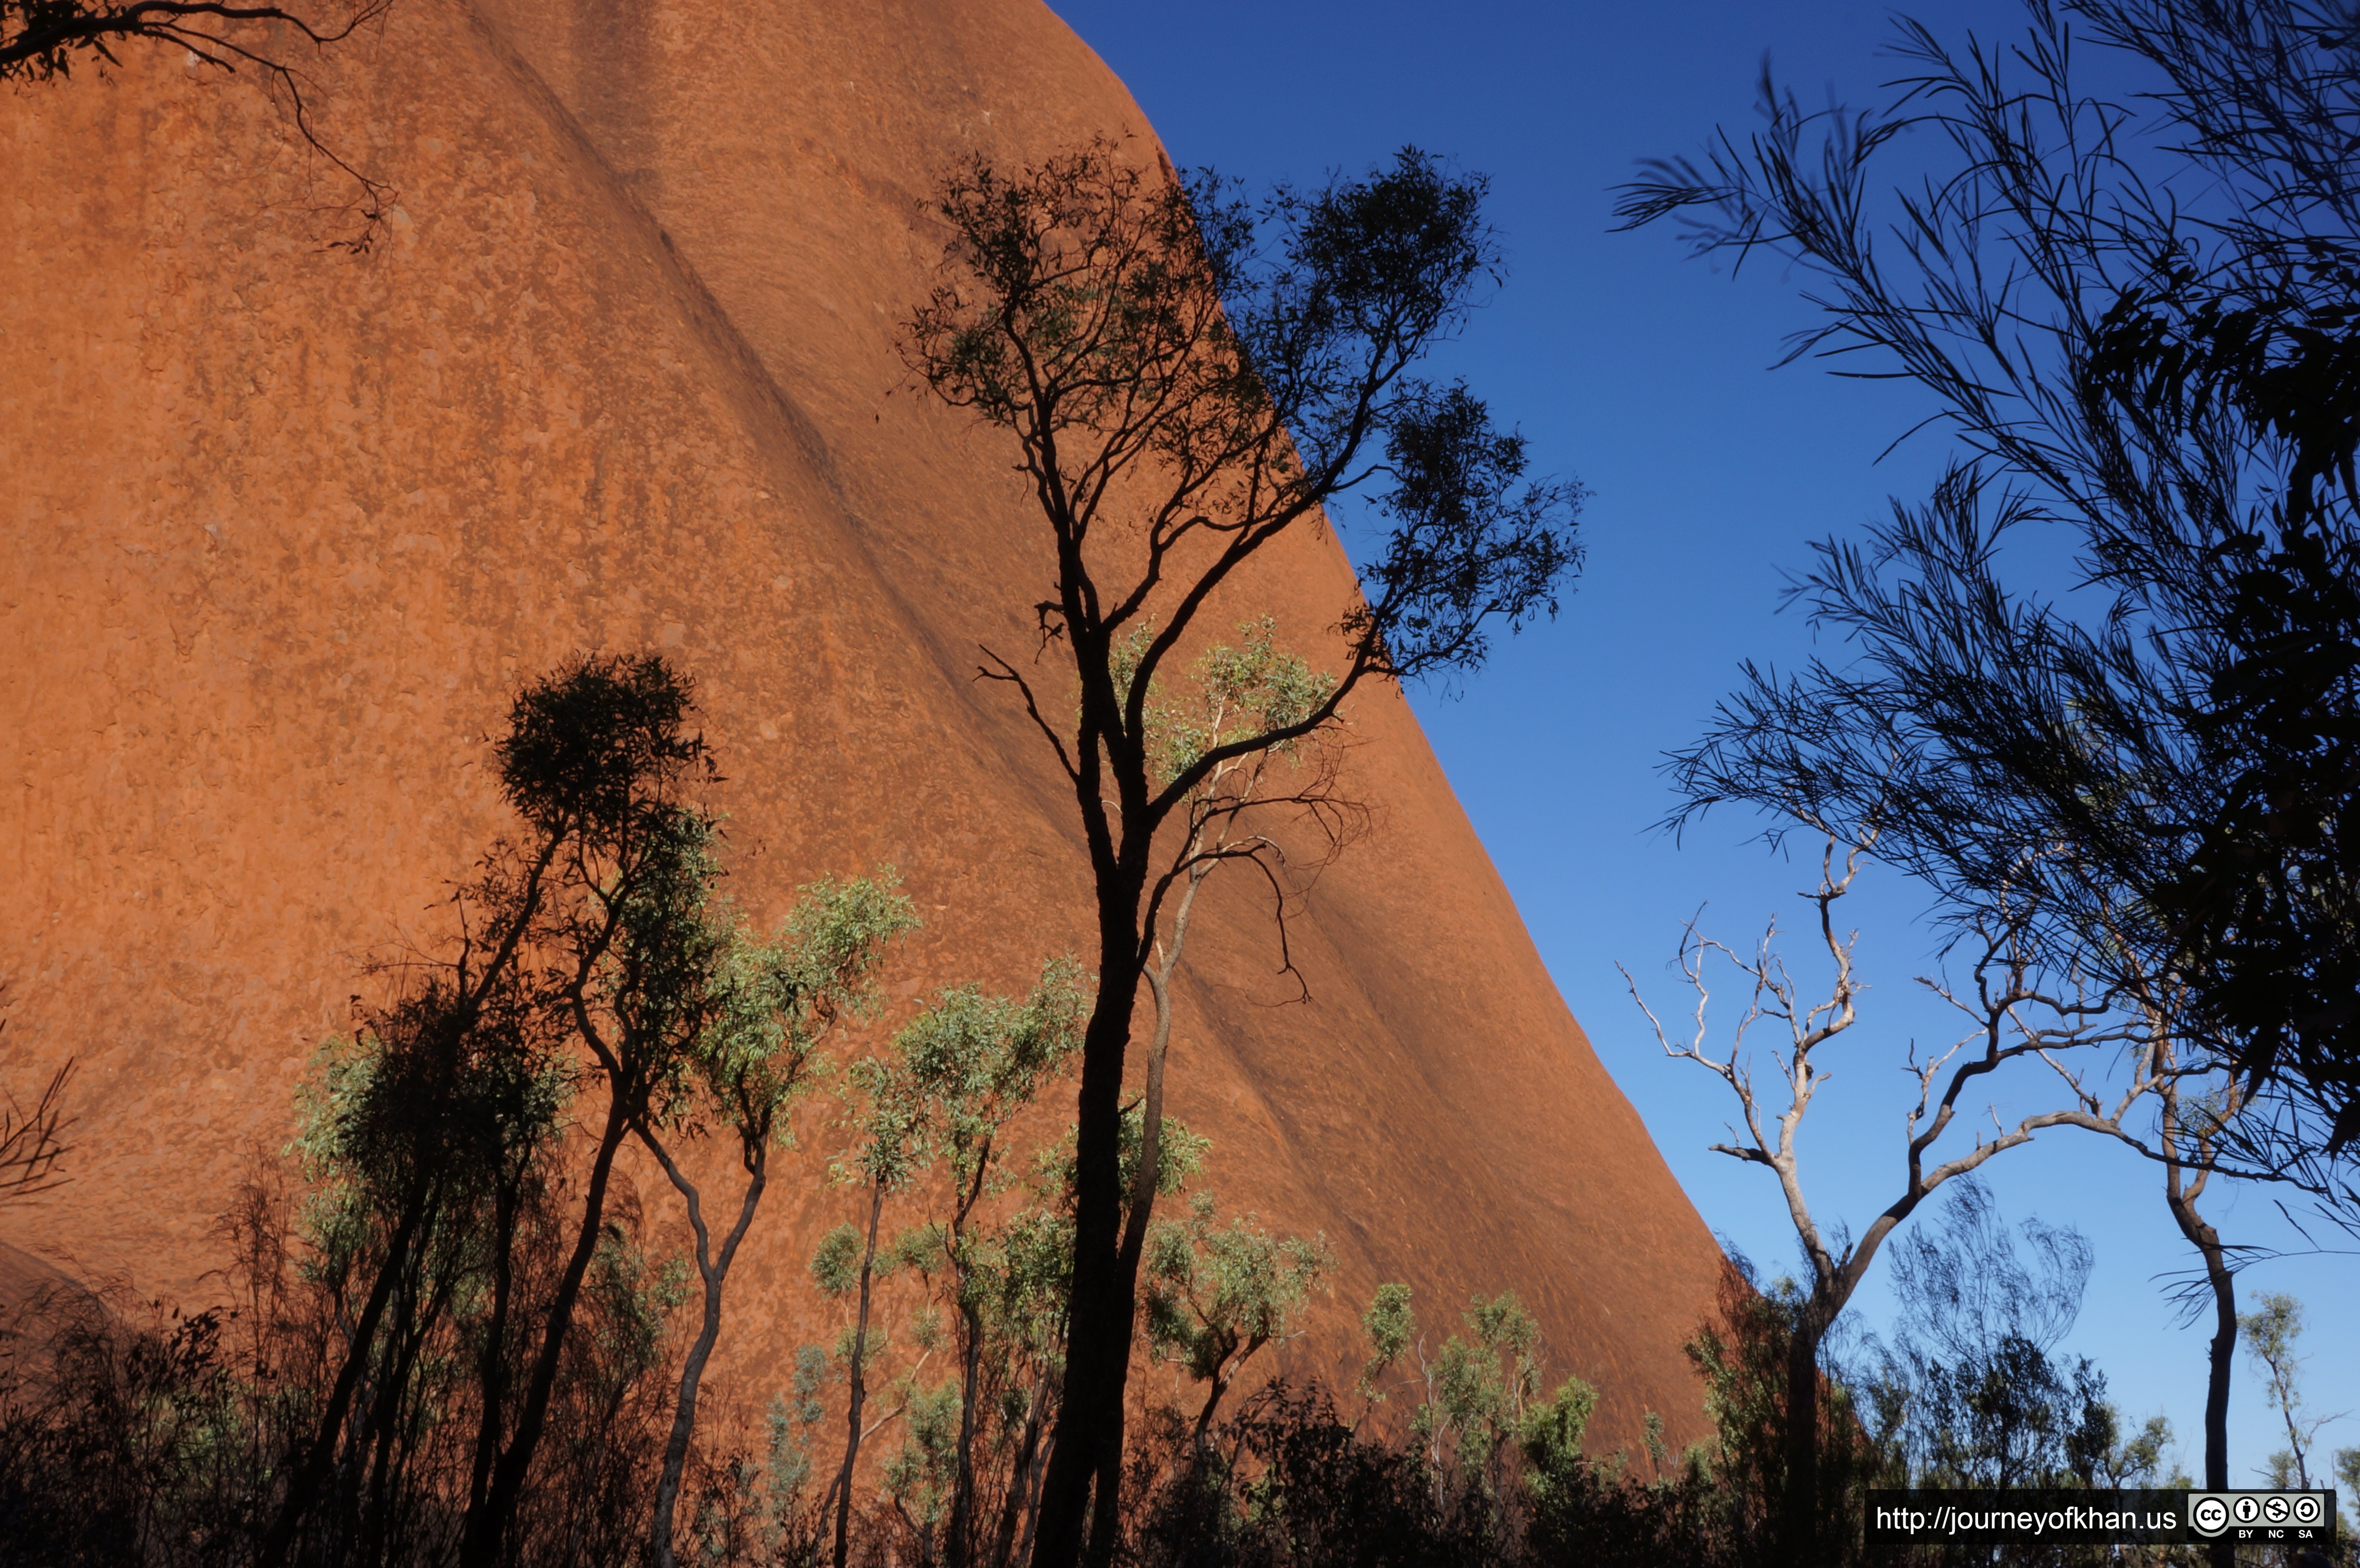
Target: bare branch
(32, 1142)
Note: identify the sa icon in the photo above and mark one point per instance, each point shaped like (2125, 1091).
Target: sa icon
(2210, 1515)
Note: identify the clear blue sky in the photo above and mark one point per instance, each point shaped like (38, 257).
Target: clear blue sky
(1647, 376)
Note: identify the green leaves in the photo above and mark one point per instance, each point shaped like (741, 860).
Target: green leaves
(975, 1061)
(835, 1264)
(1390, 1326)
(920, 1475)
(1239, 693)
(1550, 1438)
(955, 1075)
(1216, 1294)
(772, 1003)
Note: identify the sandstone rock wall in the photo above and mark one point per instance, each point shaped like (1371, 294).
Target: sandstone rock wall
(284, 528)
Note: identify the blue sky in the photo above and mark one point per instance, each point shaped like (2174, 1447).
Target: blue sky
(1648, 376)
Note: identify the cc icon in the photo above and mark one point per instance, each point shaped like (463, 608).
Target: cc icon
(2209, 1515)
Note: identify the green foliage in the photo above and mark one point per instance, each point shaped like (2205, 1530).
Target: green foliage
(1239, 693)
(1216, 1295)
(2133, 1460)
(792, 1419)
(1478, 1390)
(1550, 1438)
(1389, 1326)
(770, 1003)
(2270, 1334)
(888, 1124)
(787, 1457)
(1659, 1454)
(971, 1062)
(1180, 1154)
(920, 1475)
(873, 1346)
(918, 1250)
(956, 1074)
(925, 1329)
(1024, 1268)
(1741, 1353)
(632, 1296)
(835, 1262)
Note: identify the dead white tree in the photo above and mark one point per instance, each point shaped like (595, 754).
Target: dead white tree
(2016, 1011)
(2196, 1099)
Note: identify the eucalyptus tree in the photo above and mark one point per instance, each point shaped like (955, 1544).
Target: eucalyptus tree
(772, 1005)
(889, 1128)
(581, 958)
(1218, 1295)
(978, 1062)
(2270, 1332)
(1231, 692)
(1179, 396)
(1026, 1268)
(599, 762)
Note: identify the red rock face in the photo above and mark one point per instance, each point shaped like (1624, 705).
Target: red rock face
(283, 530)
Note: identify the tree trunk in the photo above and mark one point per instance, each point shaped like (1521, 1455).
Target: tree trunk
(2181, 1195)
(959, 1541)
(1106, 1506)
(321, 1456)
(859, 1389)
(1032, 1506)
(1020, 1484)
(1800, 1528)
(2216, 1386)
(492, 1371)
(1098, 1350)
(2224, 1282)
(413, 1326)
(1222, 1377)
(715, 1275)
(487, 1528)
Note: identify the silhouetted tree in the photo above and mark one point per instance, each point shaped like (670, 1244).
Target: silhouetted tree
(41, 40)
(1179, 398)
(2170, 751)
(596, 762)
(1975, 1395)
